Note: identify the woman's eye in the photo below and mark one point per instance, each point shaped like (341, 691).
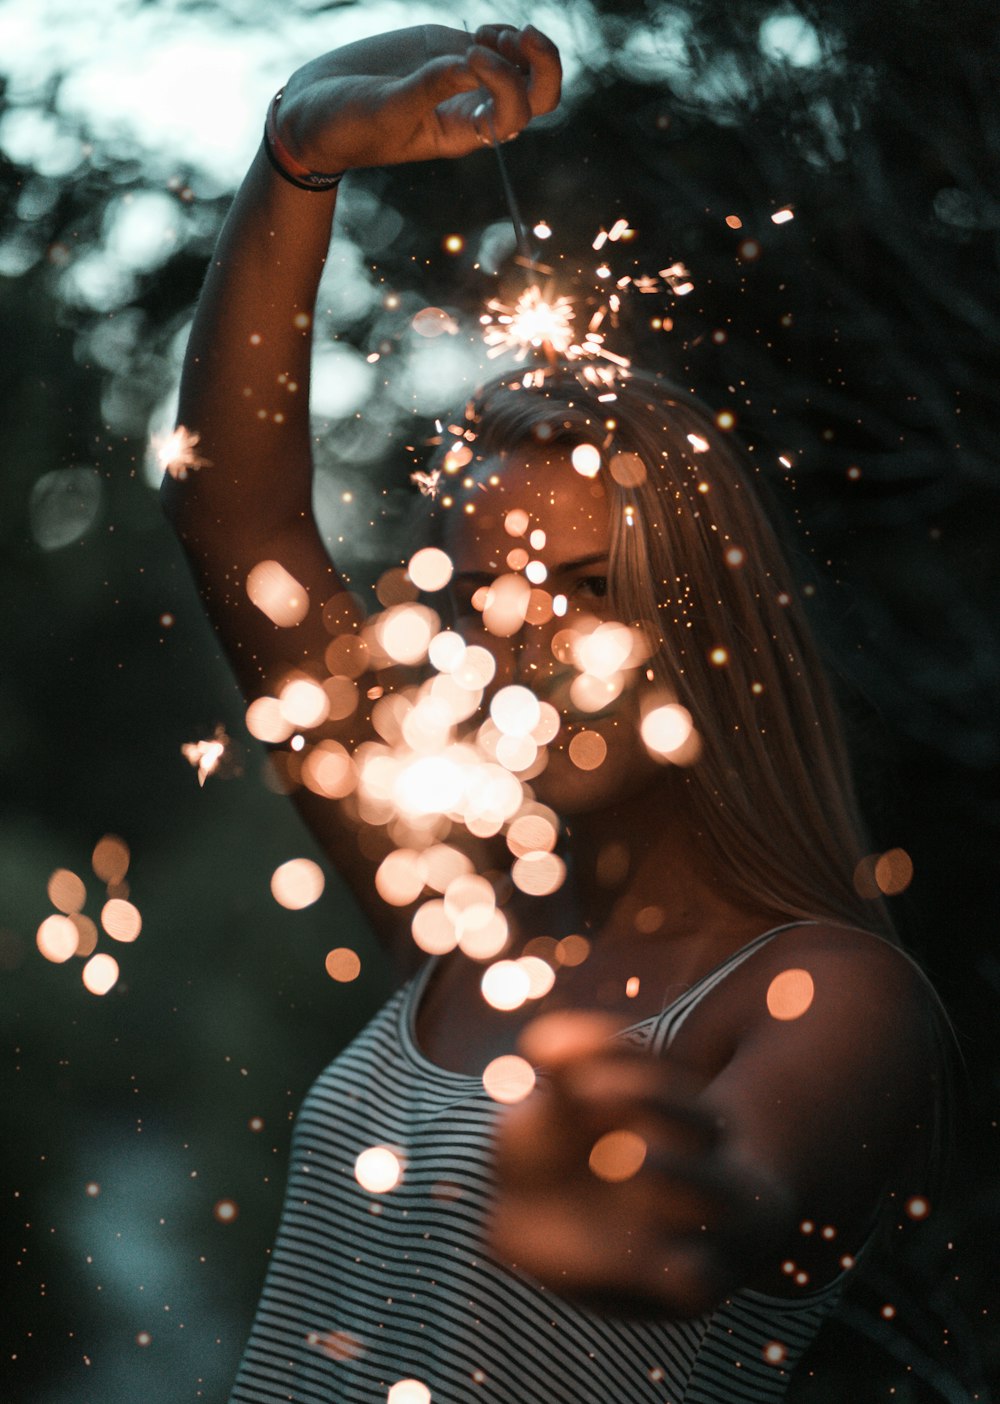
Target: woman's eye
(596, 585)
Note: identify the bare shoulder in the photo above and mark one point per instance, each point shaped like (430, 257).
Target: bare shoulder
(840, 1007)
(844, 969)
(848, 1019)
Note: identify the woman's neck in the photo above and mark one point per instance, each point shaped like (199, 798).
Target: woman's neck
(638, 866)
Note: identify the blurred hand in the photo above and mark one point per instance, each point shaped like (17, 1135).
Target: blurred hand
(616, 1185)
(415, 94)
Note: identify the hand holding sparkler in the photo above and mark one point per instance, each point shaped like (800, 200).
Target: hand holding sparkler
(618, 1184)
(417, 94)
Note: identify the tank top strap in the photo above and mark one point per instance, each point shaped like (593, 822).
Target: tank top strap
(668, 1022)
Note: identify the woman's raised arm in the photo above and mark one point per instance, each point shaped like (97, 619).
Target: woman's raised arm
(412, 95)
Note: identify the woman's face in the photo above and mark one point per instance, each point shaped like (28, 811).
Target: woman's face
(568, 530)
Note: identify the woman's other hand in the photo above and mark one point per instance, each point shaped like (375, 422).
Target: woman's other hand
(416, 94)
(617, 1185)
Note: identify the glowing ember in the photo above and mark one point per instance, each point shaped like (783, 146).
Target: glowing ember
(175, 452)
(226, 1210)
(618, 1156)
(206, 755)
(378, 1169)
(790, 994)
(297, 883)
(782, 216)
(509, 1079)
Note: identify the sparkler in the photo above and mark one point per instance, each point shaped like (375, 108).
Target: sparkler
(175, 452)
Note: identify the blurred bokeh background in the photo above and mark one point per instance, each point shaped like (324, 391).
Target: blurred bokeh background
(855, 345)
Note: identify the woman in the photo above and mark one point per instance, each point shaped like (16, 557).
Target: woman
(640, 1227)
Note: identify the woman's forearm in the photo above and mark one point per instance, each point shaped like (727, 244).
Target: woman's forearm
(245, 383)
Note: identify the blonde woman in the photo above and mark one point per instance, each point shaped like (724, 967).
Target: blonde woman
(745, 1067)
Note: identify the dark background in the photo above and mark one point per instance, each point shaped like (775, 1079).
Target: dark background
(860, 336)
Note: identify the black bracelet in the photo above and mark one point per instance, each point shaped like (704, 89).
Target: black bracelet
(285, 163)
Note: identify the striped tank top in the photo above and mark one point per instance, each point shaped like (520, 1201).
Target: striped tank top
(367, 1289)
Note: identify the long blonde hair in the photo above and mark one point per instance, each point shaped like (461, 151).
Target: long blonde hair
(771, 796)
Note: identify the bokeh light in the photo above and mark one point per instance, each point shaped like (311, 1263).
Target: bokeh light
(57, 939)
(410, 1391)
(297, 883)
(509, 1079)
(665, 729)
(378, 1169)
(343, 965)
(100, 974)
(790, 994)
(505, 985)
(617, 1156)
(121, 919)
(66, 891)
(277, 593)
(586, 459)
(110, 858)
(430, 569)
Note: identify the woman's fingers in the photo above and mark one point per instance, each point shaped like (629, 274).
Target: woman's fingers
(434, 83)
(508, 108)
(534, 54)
(545, 75)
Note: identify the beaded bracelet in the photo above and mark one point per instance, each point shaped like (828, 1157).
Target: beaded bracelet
(285, 163)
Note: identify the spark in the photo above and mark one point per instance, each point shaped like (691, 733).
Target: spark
(206, 755)
(427, 482)
(533, 322)
(175, 452)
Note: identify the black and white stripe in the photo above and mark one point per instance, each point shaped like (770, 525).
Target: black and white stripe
(366, 1289)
